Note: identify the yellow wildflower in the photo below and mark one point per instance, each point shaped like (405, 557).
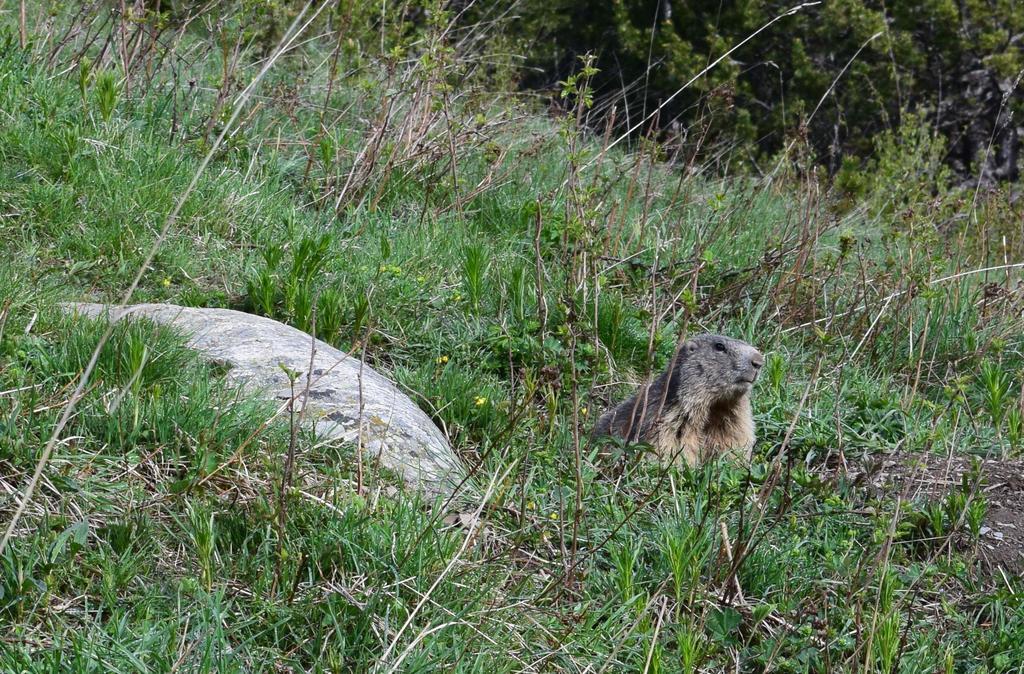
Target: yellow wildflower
(442, 360)
(480, 401)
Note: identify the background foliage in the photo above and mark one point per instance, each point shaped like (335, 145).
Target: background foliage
(834, 75)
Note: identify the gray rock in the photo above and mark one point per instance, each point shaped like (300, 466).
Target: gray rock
(395, 431)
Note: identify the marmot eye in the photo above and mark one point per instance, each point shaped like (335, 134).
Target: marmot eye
(719, 346)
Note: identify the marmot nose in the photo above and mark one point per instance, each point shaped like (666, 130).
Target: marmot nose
(757, 360)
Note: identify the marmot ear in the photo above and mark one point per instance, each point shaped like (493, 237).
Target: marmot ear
(689, 347)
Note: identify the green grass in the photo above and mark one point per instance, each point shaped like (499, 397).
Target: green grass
(153, 542)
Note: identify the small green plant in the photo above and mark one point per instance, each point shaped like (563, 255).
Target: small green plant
(360, 311)
(690, 642)
(262, 284)
(975, 515)
(134, 356)
(885, 640)
(886, 644)
(625, 558)
(108, 90)
(474, 271)
(936, 519)
(202, 532)
(1014, 427)
(84, 77)
(299, 300)
(67, 141)
(775, 372)
(995, 383)
(955, 504)
(328, 151)
(610, 314)
(578, 85)
(517, 293)
(288, 292)
(330, 314)
(685, 551)
(309, 256)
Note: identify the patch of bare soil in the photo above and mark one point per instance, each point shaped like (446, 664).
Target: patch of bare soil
(922, 478)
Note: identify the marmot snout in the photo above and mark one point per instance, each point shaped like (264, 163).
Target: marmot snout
(698, 408)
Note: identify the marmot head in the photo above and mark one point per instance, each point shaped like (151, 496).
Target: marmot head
(720, 367)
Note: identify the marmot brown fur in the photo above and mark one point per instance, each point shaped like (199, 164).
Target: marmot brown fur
(698, 408)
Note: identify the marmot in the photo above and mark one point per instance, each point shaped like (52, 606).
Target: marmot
(698, 408)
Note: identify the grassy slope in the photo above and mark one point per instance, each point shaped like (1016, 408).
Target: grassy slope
(125, 563)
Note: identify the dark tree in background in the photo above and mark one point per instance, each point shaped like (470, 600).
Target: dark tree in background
(956, 63)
